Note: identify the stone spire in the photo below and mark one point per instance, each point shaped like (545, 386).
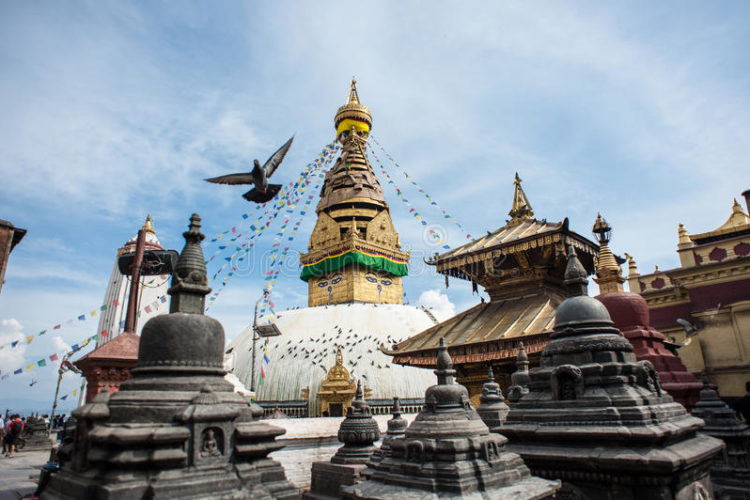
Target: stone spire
(520, 378)
(448, 451)
(589, 390)
(521, 209)
(189, 280)
(575, 275)
(492, 408)
(357, 431)
(608, 273)
(176, 429)
(730, 473)
(354, 253)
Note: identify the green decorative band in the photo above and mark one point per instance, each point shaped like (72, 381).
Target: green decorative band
(373, 260)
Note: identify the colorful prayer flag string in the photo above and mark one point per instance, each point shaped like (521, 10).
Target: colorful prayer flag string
(421, 190)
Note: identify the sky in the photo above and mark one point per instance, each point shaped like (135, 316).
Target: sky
(115, 110)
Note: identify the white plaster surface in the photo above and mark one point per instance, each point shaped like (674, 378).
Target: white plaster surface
(306, 349)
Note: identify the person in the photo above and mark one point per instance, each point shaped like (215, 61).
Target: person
(15, 429)
(742, 405)
(6, 435)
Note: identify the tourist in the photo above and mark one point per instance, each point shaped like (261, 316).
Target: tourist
(742, 405)
(15, 428)
(6, 434)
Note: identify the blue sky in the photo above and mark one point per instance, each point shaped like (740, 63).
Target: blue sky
(112, 110)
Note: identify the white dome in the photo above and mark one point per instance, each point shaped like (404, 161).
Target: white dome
(306, 350)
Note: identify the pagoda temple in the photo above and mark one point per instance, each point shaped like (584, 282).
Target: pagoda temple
(521, 266)
(705, 303)
(630, 314)
(353, 268)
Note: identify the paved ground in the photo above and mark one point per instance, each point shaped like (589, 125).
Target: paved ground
(18, 475)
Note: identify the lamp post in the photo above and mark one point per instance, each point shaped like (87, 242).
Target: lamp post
(65, 365)
(266, 293)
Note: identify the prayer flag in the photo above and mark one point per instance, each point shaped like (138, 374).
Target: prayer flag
(64, 397)
(13, 344)
(18, 371)
(42, 362)
(94, 313)
(81, 317)
(30, 367)
(29, 339)
(116, 302)
(103, 308)
(75, 391)
(53, 357)
(42, 332)
(57, 327)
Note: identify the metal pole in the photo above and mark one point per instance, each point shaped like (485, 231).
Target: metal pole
(60, 372)
(135, 280)
(255, 338)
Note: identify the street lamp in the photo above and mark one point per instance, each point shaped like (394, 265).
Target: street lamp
(266, 293)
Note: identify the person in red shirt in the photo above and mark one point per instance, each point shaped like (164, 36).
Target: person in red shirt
(15, 428)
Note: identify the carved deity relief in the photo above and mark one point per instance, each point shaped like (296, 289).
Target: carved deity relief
(210, 446)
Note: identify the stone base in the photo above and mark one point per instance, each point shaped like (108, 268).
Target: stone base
(327, 479)
(614, 471)
(527, 489)
(37, 443)
(729, 483)
(263, 480)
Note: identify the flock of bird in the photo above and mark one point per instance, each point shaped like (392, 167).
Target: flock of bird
(319, 350)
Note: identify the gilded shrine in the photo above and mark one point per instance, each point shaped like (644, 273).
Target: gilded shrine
(354, 253)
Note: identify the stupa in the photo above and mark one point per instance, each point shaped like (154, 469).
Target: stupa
(630, 314)
(492, 408)
(519, 379)
(730, 472)
(448, 452)
(153, 292)
(353, 270)
(358, 432)
(176, 429)
(396, 429)
(600, 420)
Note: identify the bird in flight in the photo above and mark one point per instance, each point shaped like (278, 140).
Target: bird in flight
(262, 191)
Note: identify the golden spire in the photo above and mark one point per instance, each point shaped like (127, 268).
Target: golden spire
(683, 234)
(147, 225)
(521, 209)
(608, 272)
(353, 114)
(632, 269)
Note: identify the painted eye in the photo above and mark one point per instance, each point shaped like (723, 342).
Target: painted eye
(323, 283)
(386, 282)
(336, 280)
(371, 279)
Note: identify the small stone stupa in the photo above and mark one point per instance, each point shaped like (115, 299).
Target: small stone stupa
(599, 420)
(448, 452)
(396, 429)
(730, 473)
(492, 408)
(358, 432)
(176, 429)
(519, 379)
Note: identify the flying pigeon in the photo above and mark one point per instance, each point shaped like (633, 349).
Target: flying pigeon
(262, 190)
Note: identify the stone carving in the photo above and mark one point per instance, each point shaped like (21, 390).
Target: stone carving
(597, 419)
(176, 429)
(358, 431)
(520, 378)
(448, 452)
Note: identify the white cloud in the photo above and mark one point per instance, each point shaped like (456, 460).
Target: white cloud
(11, 358)
(438, 303)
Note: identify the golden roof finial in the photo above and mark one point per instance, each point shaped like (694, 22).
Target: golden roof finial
(339, 357)
(353, 97)
(632, 269)
(353, 114)
(683, 234)
(608, 272)
(147, 225)
(521, 209)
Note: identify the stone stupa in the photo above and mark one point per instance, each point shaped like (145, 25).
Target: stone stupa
(599, 420)
(730, 472)
(358, 432)
(176, 429)
(448, 452)
(492, 408)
